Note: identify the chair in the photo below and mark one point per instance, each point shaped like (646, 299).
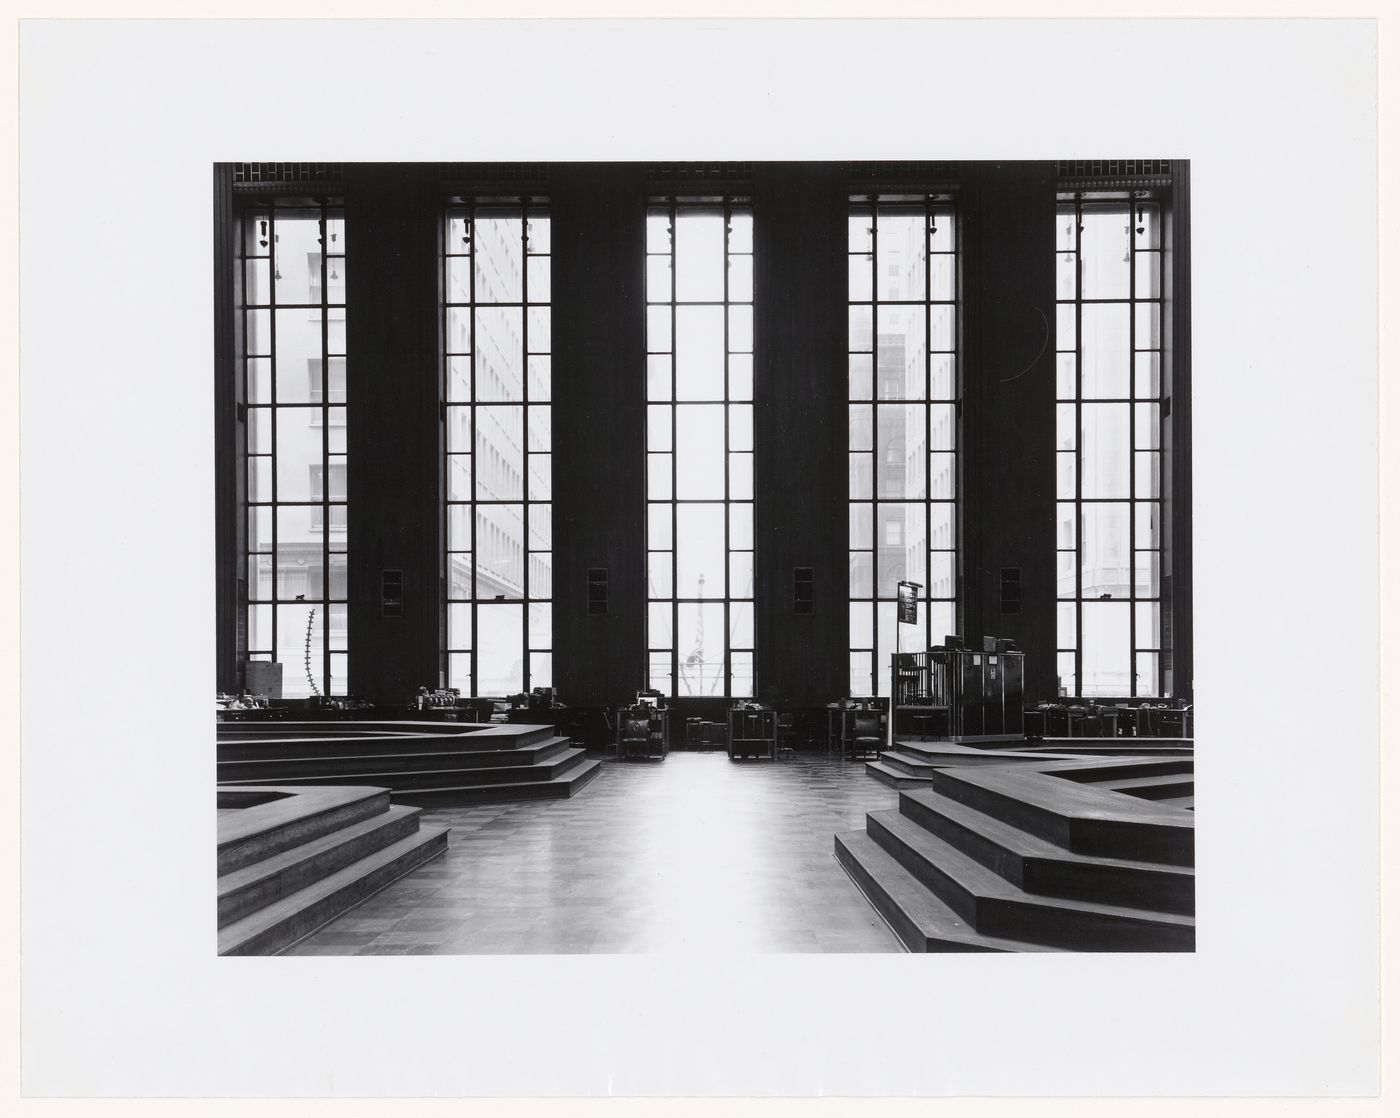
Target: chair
(787, 735)
(576, 727)
(1033, 719)
(1093, 722)
(865, 737)
(835, 716)
(634, 734)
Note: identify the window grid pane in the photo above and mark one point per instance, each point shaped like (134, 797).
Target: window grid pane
(699, 270)
(293, 261)
(1110, 279)
(496, 321)
(903, 297)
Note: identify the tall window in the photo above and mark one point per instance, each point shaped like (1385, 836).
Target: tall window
(903, 428)
(700, 449)
(292, 256)
(1109, 438)
(496, 385)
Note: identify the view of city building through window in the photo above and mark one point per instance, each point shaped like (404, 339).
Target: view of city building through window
(496, 322)
(1109, 268)
(292, 256)
(903, 429)
(700, 472)
(903, 392)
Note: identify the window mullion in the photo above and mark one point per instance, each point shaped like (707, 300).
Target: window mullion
(728, 591)
(674, 505)
(272, 416)
(474, 245)
(524, 451)
(325, 456)
(1132, 456)
(1079, 446)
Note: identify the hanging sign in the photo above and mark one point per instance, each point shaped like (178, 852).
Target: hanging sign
(907, 605)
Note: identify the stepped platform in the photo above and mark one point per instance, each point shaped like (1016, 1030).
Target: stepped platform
(416, 762)
(911, 764)
(292, 859)
(1066, 853)
(1111, 746)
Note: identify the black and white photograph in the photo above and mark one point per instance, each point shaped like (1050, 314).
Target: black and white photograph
(686, 556)
(730, 558)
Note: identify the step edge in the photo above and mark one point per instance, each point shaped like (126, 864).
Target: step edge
(1035, 846)
(969, 937)
(398, 815)
(1009, 892)
(426, 836)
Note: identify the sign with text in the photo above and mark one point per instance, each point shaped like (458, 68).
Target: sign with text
(907, 605)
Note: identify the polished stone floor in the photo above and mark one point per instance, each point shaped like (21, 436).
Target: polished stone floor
(693, 854)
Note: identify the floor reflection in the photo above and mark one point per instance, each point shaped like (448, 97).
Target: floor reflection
(696, 854)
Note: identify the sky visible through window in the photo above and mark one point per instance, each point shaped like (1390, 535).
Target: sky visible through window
(700, 472)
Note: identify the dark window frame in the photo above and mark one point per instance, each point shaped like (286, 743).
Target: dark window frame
(1143, 207)
(536, 590)
(935, 208)
(673, 207)
(257, 242)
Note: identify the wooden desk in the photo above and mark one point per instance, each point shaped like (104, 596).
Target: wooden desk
(839, 720)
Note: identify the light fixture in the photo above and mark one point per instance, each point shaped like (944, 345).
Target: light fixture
(263, 234)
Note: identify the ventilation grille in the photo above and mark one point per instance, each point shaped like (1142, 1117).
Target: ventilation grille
(905, 172)
(699, 172)
(279, 173)
(1111, 168)
(391, 593)
(241, 627)
(475, 177)
(1166, 614)
(1011, 590)
(597, 590)
(1114, 174)
(803, 584)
